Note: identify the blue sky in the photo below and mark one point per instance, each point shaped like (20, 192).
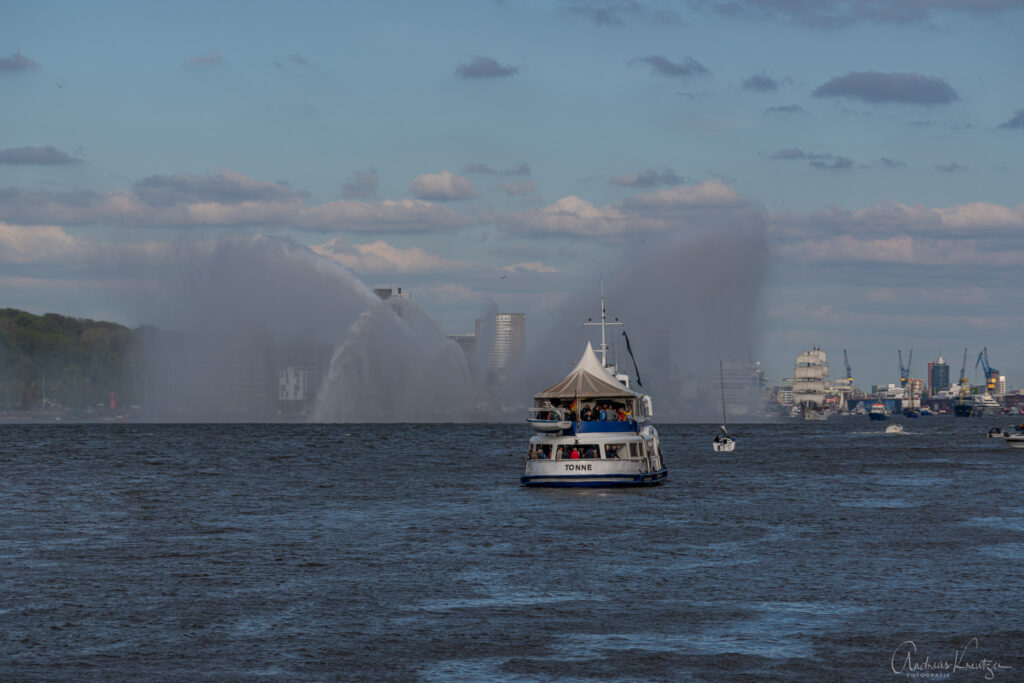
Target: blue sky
(488, 153)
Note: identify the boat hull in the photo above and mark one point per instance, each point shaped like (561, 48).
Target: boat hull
(591, 472)
(876, 416)
(1016, 440)
(595, 480)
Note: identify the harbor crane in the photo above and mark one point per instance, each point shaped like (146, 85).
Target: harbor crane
(905, 371)
(991, 374)
(963, 375)
(849, 372)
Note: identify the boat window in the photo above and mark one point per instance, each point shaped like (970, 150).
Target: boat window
(634, 450)
(581, 451)
(541, 451)
(613, 450)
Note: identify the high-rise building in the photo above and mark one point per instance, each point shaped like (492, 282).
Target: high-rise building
(938, 375)
(509, 342)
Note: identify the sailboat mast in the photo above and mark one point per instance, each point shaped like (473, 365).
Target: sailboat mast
(721, 377)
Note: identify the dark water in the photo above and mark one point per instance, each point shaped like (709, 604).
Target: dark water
(407, 552)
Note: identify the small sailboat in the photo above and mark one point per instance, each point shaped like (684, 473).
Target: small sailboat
(723, 443)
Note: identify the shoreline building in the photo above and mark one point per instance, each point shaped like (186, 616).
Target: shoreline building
(509, 343)
(938, 375)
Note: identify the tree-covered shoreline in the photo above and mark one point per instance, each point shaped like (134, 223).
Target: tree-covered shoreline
(57, 362)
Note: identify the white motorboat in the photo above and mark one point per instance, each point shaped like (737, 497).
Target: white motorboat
(894, 429)
(593, 429)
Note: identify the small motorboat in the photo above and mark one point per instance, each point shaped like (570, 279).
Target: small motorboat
(894, 429)
(996, 433)
(1015, 440)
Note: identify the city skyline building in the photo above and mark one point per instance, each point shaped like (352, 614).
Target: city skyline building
(938, 375)
(509, 342)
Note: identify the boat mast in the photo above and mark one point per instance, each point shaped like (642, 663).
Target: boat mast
(603, 323)
(721, 376)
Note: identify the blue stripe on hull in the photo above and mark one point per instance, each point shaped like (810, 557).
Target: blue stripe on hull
(594, 480)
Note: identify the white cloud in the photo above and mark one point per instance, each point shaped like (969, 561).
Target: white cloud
(20, 244)
(229, 200)
(532, 266)
(965, 219)
(900, 249)
(381, 257)
(678, 208)
(402, 215)
(443, 186)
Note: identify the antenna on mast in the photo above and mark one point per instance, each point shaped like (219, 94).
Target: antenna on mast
(603, 323)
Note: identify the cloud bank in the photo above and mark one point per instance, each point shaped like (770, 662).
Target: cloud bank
(683, 208)
(874, 87)
(485, 67)
(17, 62)
(835, 14)
(228, 200)
(664, 67)
(43, 156)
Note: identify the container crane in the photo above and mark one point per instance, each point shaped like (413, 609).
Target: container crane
(905, 371)
(991, 374)
(963, 375)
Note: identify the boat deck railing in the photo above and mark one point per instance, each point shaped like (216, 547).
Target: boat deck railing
(603, 427)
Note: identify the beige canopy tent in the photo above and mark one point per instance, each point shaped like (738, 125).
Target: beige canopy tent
(587, 380)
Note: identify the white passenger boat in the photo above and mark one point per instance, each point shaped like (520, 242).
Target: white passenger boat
(593, 429)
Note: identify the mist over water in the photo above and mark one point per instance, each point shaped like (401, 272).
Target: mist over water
(231, 315)
(686, 302)
(396, 365)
